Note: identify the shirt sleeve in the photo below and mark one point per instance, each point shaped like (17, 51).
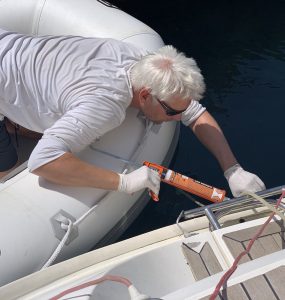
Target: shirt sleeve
(76, 129)
(192, 113)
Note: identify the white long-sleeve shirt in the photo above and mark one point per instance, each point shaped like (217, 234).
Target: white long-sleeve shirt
(71, 89)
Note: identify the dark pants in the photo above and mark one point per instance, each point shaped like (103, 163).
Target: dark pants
(8, 153)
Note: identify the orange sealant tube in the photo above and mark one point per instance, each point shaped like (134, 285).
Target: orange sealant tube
(187, 184)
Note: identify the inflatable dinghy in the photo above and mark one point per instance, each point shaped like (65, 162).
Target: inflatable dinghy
(43, 222)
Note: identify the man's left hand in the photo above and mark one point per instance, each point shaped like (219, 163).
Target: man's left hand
(241, 181)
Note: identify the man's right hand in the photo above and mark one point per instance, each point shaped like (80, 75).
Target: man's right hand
(141, 178)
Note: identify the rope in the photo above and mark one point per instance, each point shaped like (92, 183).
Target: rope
(119, 279)
(60, 245)
(265, 203)
(69, 227)
(85, 215)
(228, 274)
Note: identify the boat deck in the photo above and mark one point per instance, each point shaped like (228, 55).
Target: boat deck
(266, 286)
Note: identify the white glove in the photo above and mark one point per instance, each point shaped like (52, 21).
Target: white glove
(241, 181)
(141, 178)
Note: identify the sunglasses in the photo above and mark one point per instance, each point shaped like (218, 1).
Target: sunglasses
(168, 110)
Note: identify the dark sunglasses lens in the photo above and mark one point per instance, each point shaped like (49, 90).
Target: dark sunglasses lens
(168, 110)
(172, 113)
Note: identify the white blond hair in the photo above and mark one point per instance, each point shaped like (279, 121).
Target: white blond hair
(168, 73)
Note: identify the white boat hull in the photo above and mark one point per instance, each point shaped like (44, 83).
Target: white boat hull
(164, 264)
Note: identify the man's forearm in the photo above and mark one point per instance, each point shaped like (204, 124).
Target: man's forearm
(71, 171)
(211, 136)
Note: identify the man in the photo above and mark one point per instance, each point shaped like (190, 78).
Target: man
(74, 90)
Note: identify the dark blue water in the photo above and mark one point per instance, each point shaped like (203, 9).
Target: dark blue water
(240, 47)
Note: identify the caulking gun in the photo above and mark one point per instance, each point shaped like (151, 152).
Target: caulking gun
(177, 180)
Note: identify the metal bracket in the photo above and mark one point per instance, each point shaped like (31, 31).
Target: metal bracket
(212, 218)
(185, 233)
(60, 218)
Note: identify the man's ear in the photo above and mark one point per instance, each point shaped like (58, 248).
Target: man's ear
(144, 94)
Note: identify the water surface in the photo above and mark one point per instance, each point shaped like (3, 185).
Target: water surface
(240, 47)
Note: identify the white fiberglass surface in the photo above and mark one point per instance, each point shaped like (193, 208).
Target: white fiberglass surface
(155, 270)
(158, 271)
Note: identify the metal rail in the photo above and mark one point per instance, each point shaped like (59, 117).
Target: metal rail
(240, 203)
